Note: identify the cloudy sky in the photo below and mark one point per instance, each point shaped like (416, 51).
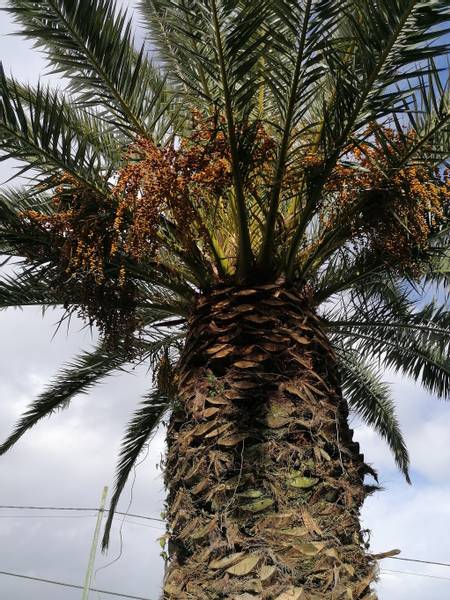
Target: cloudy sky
(67, 460)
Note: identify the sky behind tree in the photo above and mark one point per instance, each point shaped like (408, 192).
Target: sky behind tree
(67, 461)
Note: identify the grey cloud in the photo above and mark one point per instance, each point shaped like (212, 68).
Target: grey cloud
(66, 462)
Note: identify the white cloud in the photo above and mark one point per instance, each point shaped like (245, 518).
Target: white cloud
(66, 462)
(415, 520)
(430, 450)
(425, 422)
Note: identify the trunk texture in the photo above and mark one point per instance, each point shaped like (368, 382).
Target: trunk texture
(265, 483)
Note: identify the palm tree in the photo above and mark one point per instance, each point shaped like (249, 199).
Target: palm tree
(253, 199)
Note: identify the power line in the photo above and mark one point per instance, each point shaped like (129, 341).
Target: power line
(125, 514)
(117, 594)
(154, 527)
(126, 520)
(77, 508)
(416, 560)
(71, 585)
(416, 574)
(47, 516)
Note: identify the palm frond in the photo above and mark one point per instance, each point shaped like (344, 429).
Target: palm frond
(91, 43)
(391, 43)
(371, 400)
(160, 341)
(143, 423)
(15, 235)
(174, 31)
(215, 50)
(235, 54)
(423, 125)
(88, 369)
(347, 270)
(438, 266)
(104, 137)
(77, 377)
(301, 32)
(210, 49)
(428, 111)
(40, 135)
(31, 287)
(166, 288)
(414, 343)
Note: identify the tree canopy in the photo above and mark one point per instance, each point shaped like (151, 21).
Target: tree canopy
(238, 143)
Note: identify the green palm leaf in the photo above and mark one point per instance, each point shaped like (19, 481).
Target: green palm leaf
(91, 43)
(138, 433)
(88, 369)
(40, 134)
(78, 377)
(303, 39)
(31, 287)
(371, 400)
(415, 344)
(15, 234)
(390, 40)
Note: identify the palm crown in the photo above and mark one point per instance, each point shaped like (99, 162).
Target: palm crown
(240, 142)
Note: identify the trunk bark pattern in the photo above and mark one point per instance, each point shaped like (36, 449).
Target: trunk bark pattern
(265, 483)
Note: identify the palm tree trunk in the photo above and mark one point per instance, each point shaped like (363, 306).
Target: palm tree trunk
(265, 484)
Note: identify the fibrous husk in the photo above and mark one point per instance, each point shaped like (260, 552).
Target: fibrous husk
(245, 565)
(267, 572)
(257, 505)
(297, 481)
(310, 523)
(226, 561)
(232, 440)
(310, 548)
(292, 532)
(265, 482)
(293, 593)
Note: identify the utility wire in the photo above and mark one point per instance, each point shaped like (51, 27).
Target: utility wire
(76, 508)
(117, 594)
(126, 514)
(48, 517)
(416, 560)
(71, 585)
(416, 574)
(126, 519)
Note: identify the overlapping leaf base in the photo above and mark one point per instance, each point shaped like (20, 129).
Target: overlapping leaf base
(265, 483)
